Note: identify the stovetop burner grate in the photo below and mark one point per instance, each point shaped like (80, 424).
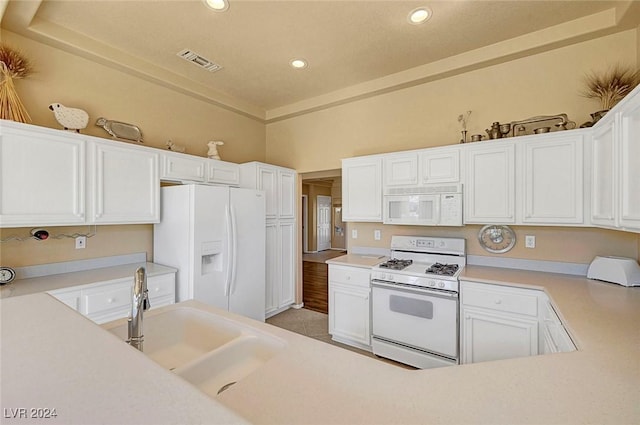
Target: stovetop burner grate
(443, 269)
(396, 264)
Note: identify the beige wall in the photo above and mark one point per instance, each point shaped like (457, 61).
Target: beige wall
(108, 241)
(426, 115)
(162, 114)
(567, 244)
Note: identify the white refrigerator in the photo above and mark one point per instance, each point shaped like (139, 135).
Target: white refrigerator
(215, 237)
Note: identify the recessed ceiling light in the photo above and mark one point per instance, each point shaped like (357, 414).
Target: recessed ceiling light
(217, 5)
(419, 15)
(298, 63)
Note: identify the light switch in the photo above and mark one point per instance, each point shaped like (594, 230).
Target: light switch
(376, 235)
(354, 233)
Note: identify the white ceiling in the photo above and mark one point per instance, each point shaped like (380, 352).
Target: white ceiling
(351, 46)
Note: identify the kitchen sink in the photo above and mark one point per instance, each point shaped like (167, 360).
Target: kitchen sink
(222, 368)
(208, 350)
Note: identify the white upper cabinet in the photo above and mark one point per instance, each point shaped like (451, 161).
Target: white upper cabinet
(535, 180)
(615, 167)
(629, 119)
(221, 172)
(55, 178)
(42, 177)
(180, 167)
(400, 169)
(362, 189)
(125, 184)
(553, 180)
(490, 183)
(424, 167)
(287, 196)
(603, 171)
(440, 165)
(279, 185)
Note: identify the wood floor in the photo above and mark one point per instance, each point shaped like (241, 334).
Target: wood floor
(315, 287)
(315, 280)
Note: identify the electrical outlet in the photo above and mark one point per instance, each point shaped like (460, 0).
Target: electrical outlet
(81, 242)
(376, 235)
(354, 233)
(529, 241)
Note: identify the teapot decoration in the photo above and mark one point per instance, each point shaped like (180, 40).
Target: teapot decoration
(494, 132)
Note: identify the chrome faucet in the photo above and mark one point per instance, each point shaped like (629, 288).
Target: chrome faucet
(138, 306)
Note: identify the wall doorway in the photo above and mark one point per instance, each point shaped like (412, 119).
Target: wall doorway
(323, 238)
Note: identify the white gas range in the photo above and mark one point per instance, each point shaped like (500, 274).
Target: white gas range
(415, 301)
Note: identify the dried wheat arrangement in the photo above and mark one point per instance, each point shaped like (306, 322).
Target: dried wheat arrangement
(13, 65)
(612, 86)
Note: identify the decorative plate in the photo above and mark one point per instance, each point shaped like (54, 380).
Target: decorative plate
(496, 238)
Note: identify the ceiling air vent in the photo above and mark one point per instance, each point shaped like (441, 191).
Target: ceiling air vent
(202, 62)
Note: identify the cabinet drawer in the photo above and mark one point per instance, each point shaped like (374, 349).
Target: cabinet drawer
(161, 286)
(107, 297)
(349, 275)
(521, 301)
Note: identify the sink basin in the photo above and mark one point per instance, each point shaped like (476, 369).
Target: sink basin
(177, 336)
(208, 350)
(223, 367)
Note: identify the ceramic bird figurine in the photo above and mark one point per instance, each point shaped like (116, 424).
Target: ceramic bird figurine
(175, 148)
(213, 149)
(70, 118)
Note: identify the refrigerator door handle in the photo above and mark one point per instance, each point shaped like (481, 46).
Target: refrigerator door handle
(234, 247)
(227, 280)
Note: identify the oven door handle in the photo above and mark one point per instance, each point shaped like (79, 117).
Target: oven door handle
(412, 289)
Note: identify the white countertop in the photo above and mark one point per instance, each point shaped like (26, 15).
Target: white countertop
(358, 260)
(65, 280)
(53, 357)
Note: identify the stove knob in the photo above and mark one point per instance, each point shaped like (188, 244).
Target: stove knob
(432, 283)
(441, 285)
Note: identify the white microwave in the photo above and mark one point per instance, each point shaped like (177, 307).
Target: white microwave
(424, 206)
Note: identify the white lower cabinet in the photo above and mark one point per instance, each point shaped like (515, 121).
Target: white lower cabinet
(489, 335)
(498, 322)
(350, 305)
(106, 301)
(502, 322)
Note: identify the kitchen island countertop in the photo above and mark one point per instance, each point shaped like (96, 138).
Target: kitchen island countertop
(97, 378)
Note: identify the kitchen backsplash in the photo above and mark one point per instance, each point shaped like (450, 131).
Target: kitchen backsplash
(564, 244)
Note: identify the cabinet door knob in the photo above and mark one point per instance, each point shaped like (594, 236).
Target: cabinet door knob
(110, 300)
(467, 317)
(498, 301)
